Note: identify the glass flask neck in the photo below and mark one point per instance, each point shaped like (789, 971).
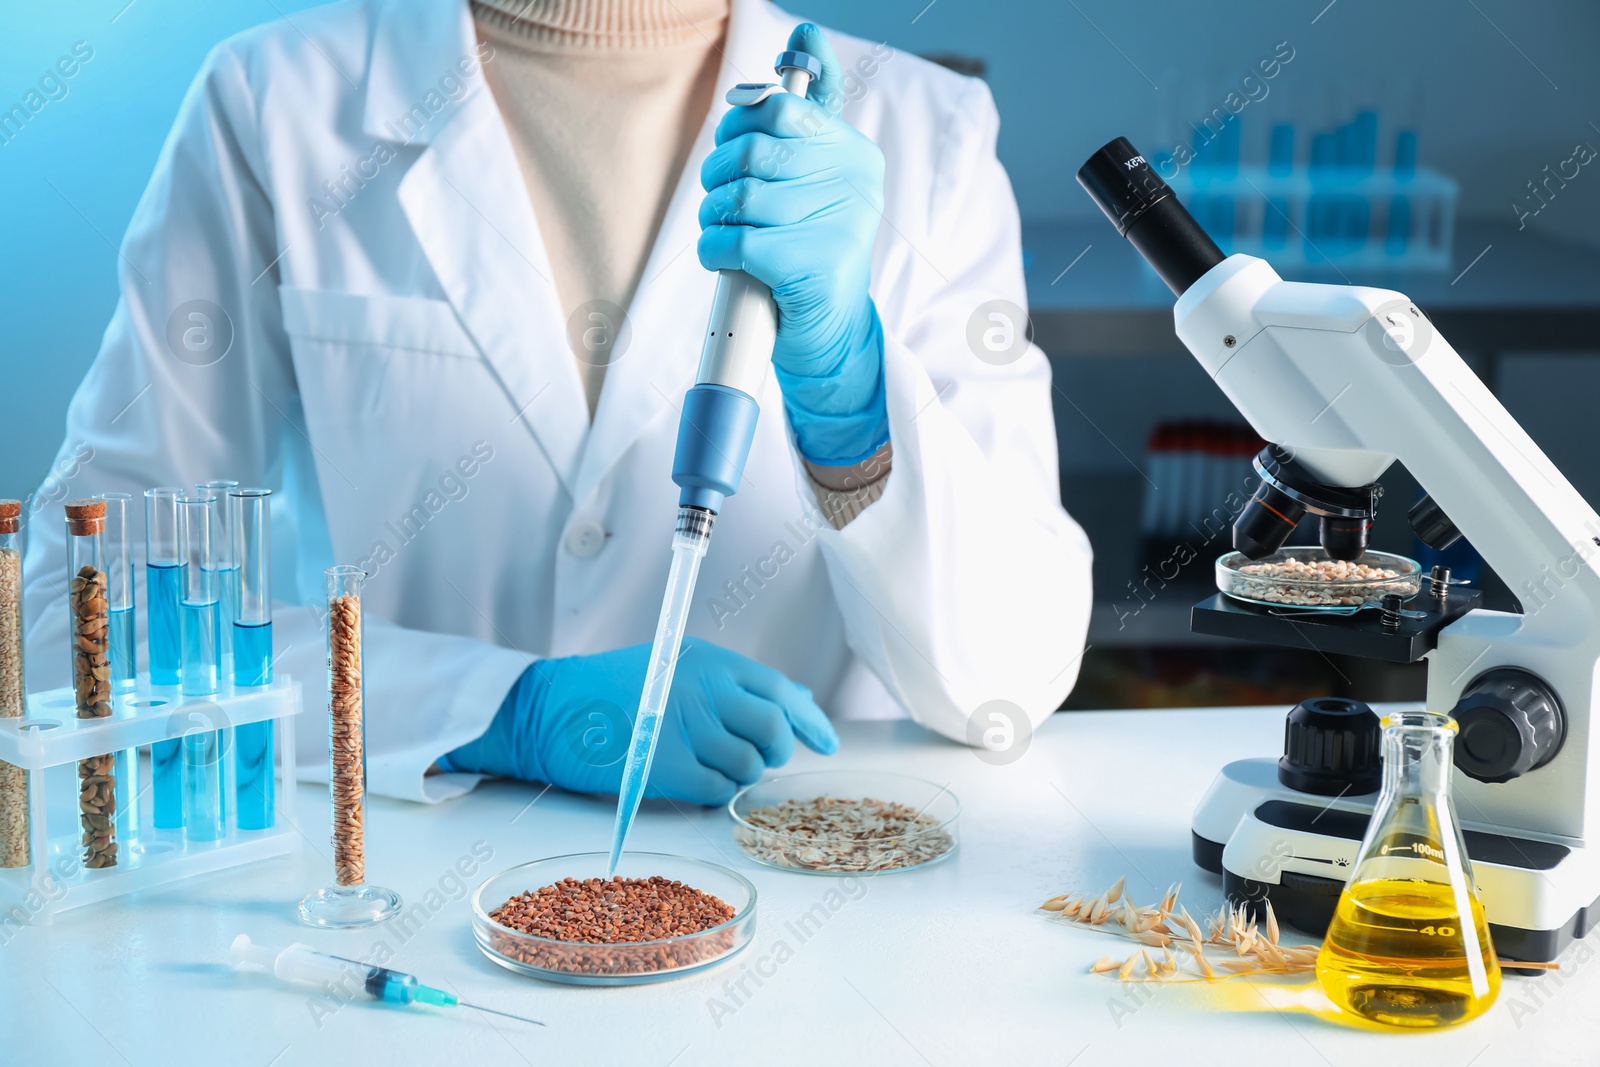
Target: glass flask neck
(1418, 750)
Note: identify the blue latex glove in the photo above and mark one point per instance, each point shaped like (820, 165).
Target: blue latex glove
(568, 722)
(793, 197)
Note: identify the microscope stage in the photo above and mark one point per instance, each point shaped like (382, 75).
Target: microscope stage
(1362, 634)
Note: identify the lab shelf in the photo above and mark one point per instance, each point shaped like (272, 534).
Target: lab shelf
(50, 741)
(1091, 295)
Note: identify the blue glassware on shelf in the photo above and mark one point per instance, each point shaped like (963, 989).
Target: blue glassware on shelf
(1398, 229)
(1280, 164)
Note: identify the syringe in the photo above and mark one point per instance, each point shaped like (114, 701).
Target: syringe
(714, 436)
(304, 965)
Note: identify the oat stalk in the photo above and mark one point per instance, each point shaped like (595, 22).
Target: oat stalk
(1248, 949)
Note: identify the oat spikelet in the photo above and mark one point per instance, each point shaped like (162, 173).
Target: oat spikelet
(1104, 965)
(1054, 904)
(1097, 914)
(1116, 890)
(1170, 901)
(1127, 967)
(1272, 924)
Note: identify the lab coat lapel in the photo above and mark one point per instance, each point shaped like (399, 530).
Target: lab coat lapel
(469, 208)
(672, 304)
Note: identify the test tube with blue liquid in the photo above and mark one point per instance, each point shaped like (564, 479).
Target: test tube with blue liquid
(204, 818)
(227, 565)
(249, 527)
(123, 651)
(227, 596)
(163, 570)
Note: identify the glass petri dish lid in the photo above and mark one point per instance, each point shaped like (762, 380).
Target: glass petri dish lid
(846, 822)
(1305, 576)
(616, 963)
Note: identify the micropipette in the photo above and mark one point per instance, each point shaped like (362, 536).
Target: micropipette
(714, 436)
(304, 965)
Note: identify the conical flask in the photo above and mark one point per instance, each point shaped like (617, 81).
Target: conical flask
(1409, 945)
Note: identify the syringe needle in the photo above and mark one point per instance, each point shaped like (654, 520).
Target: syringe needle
(502, 1014)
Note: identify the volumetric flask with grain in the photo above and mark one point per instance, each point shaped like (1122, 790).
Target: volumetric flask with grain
(350, 901)
(1409, 945)
(14, 822)
(91, 674)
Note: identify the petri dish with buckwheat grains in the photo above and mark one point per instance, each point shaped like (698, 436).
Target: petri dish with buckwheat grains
(845, 822)
(729, 917)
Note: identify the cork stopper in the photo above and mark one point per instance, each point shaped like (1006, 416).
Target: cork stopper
(86, 517)
(10, 516)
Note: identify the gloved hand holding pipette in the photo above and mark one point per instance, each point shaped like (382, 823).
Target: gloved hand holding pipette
(793, 198)
(568, 721)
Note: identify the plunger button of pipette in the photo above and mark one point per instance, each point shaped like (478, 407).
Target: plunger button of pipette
(798, 61)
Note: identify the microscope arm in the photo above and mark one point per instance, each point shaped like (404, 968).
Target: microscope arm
(1351, 378)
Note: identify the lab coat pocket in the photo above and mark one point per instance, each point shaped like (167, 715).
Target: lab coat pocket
(360, 357)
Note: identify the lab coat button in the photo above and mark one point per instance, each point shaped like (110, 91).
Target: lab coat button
(586, 538)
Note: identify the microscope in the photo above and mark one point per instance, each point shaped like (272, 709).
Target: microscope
(1343, 381)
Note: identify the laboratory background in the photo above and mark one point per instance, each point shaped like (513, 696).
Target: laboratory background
(1488, 97)
(1442, 149)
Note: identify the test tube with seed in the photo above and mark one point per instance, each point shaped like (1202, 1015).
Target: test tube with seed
(14, 824)
(91, 674)
(350, 901)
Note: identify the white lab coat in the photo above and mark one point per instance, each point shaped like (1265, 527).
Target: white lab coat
(345, 190)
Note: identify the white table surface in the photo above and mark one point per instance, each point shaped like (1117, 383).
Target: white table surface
(943, 966)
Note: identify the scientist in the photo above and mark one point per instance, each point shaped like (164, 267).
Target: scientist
(437, 272)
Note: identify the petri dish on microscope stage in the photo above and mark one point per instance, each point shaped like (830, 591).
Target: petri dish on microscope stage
(1306, 578)
(614, 962)
(845, 823)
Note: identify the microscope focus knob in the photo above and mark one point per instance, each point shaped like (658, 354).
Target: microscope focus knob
(1331, 746)
(1511, 723)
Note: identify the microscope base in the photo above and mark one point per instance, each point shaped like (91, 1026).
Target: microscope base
(1295, 849)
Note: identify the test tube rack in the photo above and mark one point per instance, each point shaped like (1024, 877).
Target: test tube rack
(49, 742)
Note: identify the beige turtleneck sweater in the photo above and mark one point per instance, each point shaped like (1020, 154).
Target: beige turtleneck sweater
(603, 100)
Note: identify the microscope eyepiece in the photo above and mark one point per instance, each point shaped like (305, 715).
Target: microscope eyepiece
(1146, 211)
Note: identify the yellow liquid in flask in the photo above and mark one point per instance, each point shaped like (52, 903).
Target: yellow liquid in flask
(1401, 952)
